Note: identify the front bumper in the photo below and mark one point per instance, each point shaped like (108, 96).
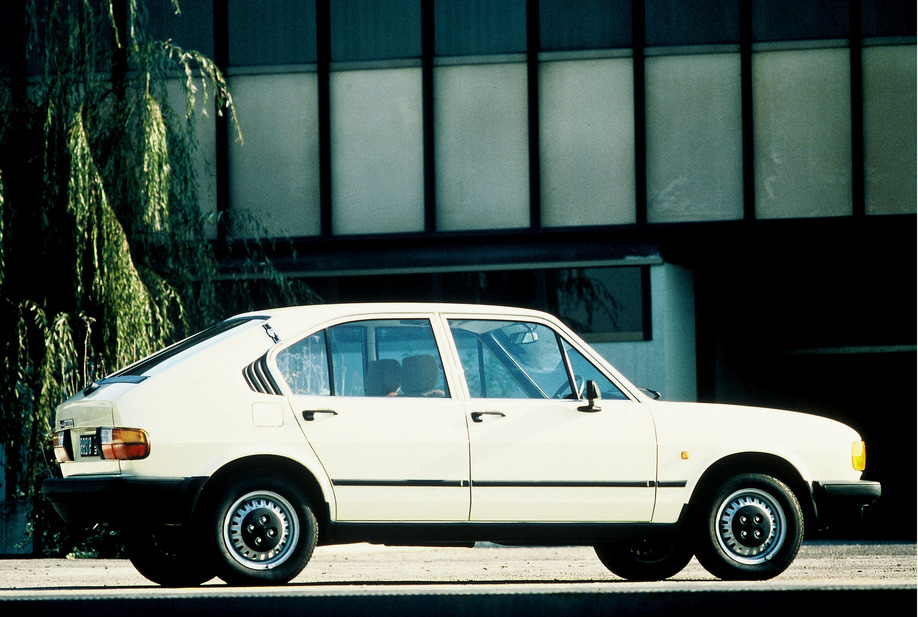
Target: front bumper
(121, 500)
(844, 501)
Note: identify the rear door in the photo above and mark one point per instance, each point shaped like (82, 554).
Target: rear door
(538, 452)
(374, 402)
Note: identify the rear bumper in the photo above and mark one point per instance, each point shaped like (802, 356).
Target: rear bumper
(123, 500)
(844, 501)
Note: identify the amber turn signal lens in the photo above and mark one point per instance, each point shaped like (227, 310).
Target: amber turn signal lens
(63, 452)
(859, 455)
(126, 444)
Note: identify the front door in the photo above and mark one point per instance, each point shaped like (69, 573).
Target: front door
(538, 452)
(373, 402)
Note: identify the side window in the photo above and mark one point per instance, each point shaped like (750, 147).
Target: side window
(383, 357)
(504, 359)
(485, 375)
(386, 357)
(584, 370)
(304, 366)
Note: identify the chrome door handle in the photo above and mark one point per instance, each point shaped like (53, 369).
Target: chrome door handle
(310, 414)
(476, 415)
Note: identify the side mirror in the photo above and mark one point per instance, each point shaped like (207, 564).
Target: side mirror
(592, 393)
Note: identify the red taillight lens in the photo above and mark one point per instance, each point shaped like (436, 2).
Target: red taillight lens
(63, 450)
(123, 443)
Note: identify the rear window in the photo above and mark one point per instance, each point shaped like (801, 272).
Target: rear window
(141, 367)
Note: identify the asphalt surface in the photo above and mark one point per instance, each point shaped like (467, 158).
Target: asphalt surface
(371, 580)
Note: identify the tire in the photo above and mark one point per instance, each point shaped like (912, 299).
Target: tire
(168, 557)
(264, 530)
(750, 527)
(644, 560)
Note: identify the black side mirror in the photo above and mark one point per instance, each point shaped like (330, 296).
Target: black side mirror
(592, 393)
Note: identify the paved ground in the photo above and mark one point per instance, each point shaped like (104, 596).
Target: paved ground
(831, 578)
(819, 564)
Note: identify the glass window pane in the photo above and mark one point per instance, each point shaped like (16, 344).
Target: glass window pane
(479, 27)
(694, 138)
(691, 22)
(271, 32)
(192, 28)
(206, 159)
(585, 371)
(585, 24)
(889, 129)
(522, 359)
(787, 20)
(375, 29)
(802, 119)
(274, 178)
(602, 304)
(304, 366)
(586, 142)
(484, 375)
(377, 151)
(888, 17)
(482, 147)
(387, 358)
(349, 359)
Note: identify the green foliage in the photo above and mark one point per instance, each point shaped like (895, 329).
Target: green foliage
(104, 255)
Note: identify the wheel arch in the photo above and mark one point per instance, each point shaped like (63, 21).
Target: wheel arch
(266, 463)
(756, 462)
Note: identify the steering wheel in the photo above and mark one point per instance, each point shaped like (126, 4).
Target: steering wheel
(579, 381)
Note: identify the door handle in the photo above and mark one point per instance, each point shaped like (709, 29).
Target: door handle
(310, 414)
(477, 415)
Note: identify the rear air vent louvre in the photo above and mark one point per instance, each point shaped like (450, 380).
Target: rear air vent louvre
(259, 379)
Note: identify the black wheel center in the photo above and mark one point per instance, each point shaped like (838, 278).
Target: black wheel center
(751, 526)
(261, 530)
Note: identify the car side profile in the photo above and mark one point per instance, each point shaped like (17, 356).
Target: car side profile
(235, 452)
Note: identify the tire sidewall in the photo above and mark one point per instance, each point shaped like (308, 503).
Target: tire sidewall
(726, 564)
(166, 557)
(232, 570)
(644, 560)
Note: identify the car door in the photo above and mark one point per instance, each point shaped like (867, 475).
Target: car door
(538, 452)
(373, 401)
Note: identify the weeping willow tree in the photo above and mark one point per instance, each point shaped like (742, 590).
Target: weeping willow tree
(103, 250)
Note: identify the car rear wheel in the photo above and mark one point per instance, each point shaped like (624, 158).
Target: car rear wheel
(167, 556)
(750, 528)
(265, 531)
(644, 560)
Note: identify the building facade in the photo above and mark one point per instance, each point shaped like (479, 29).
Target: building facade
(719, 194)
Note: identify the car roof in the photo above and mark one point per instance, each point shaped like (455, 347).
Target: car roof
(331, 311)
(289, 321)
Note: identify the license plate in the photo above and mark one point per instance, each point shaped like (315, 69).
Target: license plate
(88, 445)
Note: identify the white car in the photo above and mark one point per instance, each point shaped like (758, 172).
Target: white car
(234, 452)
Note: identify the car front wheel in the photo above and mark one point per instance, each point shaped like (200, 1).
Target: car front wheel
(750, 527)
(644, 560)
(265, 531)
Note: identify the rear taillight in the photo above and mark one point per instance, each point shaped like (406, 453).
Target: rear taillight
(63, 447)
(123, 443)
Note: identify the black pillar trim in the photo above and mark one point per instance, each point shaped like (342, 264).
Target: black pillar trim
(858, 196)
(323, 62)
(748, 127)
(532, 79)
(427, 114)
(222, 124)
(640, 117)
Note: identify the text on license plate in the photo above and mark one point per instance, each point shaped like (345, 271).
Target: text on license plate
(88, 445)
